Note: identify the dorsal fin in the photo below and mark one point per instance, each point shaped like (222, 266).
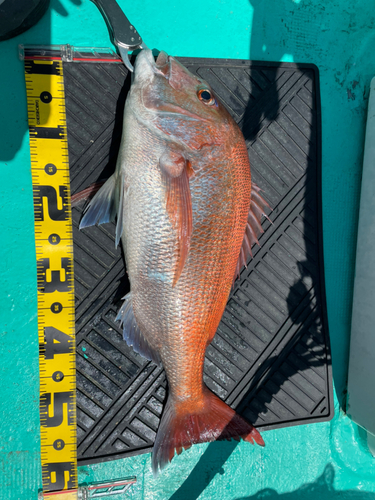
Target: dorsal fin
(253, 229)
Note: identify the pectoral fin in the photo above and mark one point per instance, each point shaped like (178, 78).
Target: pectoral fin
(176, 171)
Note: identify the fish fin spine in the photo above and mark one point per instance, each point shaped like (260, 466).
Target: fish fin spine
(120, 212)
(132, 333)
(181, 427)
(253, 230)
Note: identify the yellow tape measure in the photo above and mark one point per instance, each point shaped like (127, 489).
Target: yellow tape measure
(54, 254)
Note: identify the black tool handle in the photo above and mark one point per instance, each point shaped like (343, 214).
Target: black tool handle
(122, 31)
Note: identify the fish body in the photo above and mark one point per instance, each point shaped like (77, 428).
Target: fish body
(182, 193)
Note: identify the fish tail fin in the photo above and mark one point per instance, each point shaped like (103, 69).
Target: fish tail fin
(185, 424)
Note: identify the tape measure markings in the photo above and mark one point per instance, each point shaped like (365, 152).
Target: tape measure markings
(54, 253)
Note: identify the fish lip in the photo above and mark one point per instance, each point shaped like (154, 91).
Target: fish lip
(162, 65)
(173, 108)
(153, 65)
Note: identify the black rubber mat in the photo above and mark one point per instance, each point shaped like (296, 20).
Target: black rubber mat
(270, 359)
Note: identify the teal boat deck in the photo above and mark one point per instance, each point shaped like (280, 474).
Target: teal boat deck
(325, 460)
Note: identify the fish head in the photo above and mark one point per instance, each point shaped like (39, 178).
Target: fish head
(181, 106)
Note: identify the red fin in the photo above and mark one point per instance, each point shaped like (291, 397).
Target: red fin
(253, 230)
(187, 424)
(176, 173)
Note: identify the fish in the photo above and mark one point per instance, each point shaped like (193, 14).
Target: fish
(187, 216)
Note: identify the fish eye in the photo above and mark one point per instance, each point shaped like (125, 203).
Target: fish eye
(206, 96)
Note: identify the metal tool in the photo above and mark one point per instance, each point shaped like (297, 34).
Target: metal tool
(92, 491)
(123, 34)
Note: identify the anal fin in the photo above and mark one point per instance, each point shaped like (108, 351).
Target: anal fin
(132, 333)
(258, 206)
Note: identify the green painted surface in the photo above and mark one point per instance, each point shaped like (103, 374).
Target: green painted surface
(325, 460)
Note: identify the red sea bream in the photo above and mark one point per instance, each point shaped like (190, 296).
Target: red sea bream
(187, 216)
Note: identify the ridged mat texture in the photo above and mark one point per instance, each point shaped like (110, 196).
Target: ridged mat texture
(270, 359)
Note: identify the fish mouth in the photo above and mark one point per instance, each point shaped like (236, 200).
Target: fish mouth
(162, 63)
(167, 67)
(159, 67)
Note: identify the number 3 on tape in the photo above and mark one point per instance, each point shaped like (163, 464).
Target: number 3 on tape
(54, 255)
